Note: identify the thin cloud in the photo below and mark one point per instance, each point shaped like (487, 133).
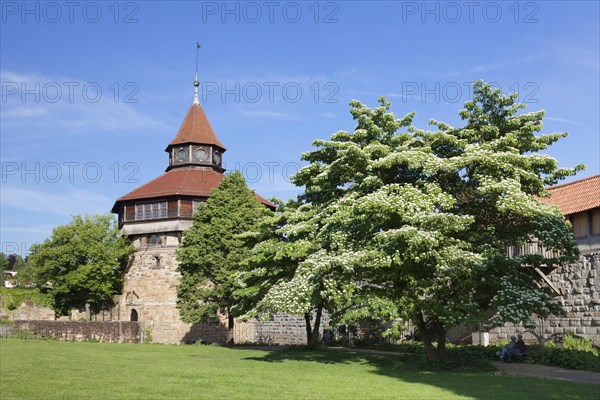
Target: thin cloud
(564, 121)
(38, 229)
(576, 53)
(266, 114)
(327, 115)
(67, 203)
(495, 66)
(67, 109)
(24, 112)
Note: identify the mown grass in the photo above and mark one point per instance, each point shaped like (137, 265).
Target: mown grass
(68, 370)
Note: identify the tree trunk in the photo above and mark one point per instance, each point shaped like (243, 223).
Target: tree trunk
(230, 329)
(441, 341)
(308, 330)
(431, 331)
(428, 343)
(315, 331)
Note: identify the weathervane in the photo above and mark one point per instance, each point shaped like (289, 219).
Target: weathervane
(196, 82)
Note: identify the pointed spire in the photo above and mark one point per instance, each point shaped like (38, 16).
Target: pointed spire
(195, 128)
(196, 82)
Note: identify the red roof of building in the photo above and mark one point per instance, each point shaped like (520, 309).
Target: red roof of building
(196, 129)
(576, 196)
(186, 182)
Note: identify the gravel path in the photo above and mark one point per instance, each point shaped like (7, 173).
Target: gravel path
(523, 369)
(544, 371)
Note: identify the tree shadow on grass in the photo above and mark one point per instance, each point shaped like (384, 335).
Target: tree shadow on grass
(322, 356)
(478, 380)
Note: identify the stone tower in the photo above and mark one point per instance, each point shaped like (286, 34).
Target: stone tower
(153, 217)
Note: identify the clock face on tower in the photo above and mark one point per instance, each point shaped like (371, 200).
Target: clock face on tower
(181, 155)
(201, 155)
(216, 158)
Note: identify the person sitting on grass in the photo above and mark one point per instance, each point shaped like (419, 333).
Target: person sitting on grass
(510, 350)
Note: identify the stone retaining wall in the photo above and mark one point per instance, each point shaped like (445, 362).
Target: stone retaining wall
(583, 326)
(285, 329)
(110, 331)
(579, 284)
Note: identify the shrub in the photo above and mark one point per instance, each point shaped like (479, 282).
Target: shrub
(14, 297)
(481, 352)
(147, 335)
(581, 344)
(566, 358)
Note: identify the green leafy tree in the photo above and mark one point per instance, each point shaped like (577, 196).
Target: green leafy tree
(82, 262)
(3, 262)
(213, 249)
(411, 224)
(15, 262)
(26, 276)
(268, 262)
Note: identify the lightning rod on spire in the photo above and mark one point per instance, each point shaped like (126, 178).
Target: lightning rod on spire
(196, 82)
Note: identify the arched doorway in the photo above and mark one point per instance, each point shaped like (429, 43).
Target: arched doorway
(134, 315)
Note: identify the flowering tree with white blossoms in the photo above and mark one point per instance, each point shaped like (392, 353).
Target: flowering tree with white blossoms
(275, 268)
(411, 224)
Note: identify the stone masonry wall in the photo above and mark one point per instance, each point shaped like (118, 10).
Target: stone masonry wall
(149, 292)
(579, 284)
(285, 329)
(108, 331)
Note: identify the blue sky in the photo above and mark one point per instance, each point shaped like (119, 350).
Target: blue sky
(93, 92)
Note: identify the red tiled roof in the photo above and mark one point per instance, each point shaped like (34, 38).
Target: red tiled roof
(186, 182)
(576, 196)
(195, 128)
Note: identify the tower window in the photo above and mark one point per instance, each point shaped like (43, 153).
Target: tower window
(151, 210)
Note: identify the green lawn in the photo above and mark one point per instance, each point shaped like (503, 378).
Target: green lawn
(68, 370)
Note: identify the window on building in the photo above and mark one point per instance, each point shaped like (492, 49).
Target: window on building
(154, 240)
(580, 224)
(151, 210)
(196, 205)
